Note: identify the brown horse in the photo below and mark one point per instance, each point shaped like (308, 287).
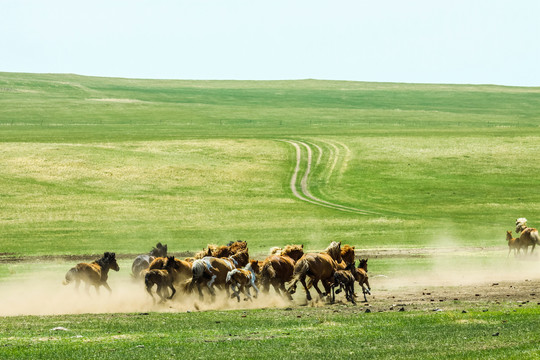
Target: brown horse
(241, 280)
(513, 244)
(95, 273)
(163, 278)
(141, 262)
(319, 267)
(213, 271)
(277, 270)
(182, 271)
(529, 236)
(362, 277)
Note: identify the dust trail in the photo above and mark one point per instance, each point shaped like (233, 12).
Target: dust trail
(44, 294)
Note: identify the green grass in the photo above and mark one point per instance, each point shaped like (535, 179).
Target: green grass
(196, 162)
(263, 334)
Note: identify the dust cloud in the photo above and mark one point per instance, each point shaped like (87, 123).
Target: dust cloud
(44, 294)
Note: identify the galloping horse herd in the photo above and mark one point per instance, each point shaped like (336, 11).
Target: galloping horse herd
(229, 268)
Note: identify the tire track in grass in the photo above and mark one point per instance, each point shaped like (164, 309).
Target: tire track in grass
(305, 194)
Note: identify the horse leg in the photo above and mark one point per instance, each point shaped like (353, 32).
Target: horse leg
(77, 283)
(256, 295)
(303, 282)
(247, 293)
(211, 287)
(173, 291)
(107, 287)
(282, 287)
(315, 282)
(149, 290)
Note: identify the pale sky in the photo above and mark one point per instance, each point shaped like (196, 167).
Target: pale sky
(414, 41)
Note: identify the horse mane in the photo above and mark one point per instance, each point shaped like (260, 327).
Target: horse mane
(105, 260)
(334, 250)
(205, 252)
(237, 246)
(276, 250)
(289, 249)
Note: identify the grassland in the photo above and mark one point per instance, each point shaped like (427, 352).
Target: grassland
(90, 165)
(97, 163)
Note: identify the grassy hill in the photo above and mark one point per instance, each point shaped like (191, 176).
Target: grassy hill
(92, 164)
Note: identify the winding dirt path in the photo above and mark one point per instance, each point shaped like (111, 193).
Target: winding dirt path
(304, 193)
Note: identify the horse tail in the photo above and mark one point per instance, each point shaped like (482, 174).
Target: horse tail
(268, 271)
(300, 270)
(71, 275)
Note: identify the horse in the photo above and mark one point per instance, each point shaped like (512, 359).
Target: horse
(529, 236)
(241, 280)
(182, 272)
(345, 280)
(95, 273)
(142, 262)
(224, 251)
(319, 267)
(278, 268)
(214, 271)
(362, 277)
(513, 243)
(163, 278)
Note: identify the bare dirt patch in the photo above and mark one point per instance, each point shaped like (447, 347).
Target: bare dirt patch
(413, 279)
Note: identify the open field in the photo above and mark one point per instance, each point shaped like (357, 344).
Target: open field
(423, 179)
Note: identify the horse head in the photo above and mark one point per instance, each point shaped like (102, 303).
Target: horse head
(254, 264)
(347, 254)
(508, 235)
(241, 258)
(363, 264)
(109, 259)
(171, 263)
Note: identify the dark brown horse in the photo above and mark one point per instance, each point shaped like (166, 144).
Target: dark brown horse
(95, 273)
(319, 267)
(277, 270)
(344, 279)
(163, 278)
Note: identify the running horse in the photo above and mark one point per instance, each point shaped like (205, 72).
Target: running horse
(529, 236)
(142, 262)
(213, 271)
(319, 267)
(278, 269)
(95, 273)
